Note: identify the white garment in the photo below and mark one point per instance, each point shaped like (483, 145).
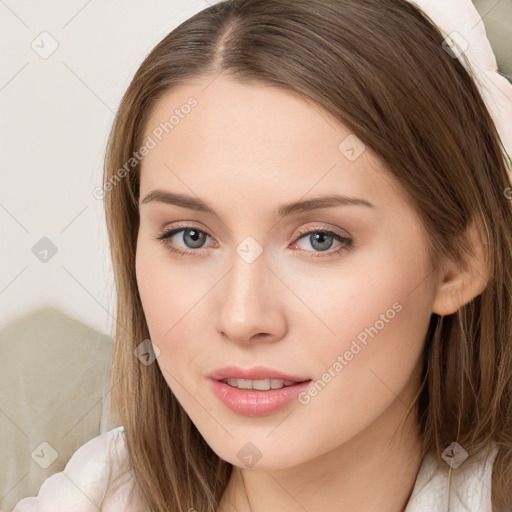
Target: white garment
(459, 20)
(98, 477)
(470, 489)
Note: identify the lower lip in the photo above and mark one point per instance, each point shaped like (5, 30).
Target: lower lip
(255, 403)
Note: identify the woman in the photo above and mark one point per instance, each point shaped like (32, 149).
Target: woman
(310, 230)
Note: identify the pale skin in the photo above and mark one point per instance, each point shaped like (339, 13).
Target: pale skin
(246, 150)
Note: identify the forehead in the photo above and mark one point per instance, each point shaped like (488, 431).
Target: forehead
(263, 142)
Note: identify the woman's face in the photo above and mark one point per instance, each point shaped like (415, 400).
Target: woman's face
(252, 289)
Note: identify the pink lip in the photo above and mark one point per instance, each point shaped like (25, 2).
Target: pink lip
(254, 373)
(255, 403)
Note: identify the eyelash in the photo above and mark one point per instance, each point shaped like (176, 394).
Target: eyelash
(347, 243)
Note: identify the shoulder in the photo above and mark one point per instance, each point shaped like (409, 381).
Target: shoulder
(464, 484)
(98, 476)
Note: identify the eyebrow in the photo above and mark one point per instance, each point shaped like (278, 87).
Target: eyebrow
(185, 201)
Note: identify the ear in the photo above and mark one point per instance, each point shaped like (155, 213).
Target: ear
(461, 281)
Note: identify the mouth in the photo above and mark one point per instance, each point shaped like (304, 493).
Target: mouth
(258, 378)
(257, 397)
(261, 384)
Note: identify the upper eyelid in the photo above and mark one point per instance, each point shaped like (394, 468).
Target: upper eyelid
(335, 231)
(180, 227)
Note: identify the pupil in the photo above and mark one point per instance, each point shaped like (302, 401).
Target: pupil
(196, 237)
(321, 237)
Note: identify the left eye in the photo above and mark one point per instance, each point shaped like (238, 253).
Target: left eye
(320, 239)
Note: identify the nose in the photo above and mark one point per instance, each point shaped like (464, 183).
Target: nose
(249, 303)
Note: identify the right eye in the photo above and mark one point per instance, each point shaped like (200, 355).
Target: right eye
(192, 237)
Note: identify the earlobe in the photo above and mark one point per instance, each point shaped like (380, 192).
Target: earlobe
(462, 281)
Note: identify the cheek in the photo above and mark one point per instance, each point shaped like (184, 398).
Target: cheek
(162, 297)
(172, 299)
(382, 287)
(151, 286)
(377, 308)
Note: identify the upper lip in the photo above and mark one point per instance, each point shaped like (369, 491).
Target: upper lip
(254, 373)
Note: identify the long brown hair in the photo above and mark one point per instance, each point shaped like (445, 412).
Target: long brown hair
(380, 69)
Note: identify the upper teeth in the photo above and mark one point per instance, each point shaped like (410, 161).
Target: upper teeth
(262, 385)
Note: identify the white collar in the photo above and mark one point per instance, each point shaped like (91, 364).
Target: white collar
(470, 485)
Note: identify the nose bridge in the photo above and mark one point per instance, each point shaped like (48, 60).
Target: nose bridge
(248, 304)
